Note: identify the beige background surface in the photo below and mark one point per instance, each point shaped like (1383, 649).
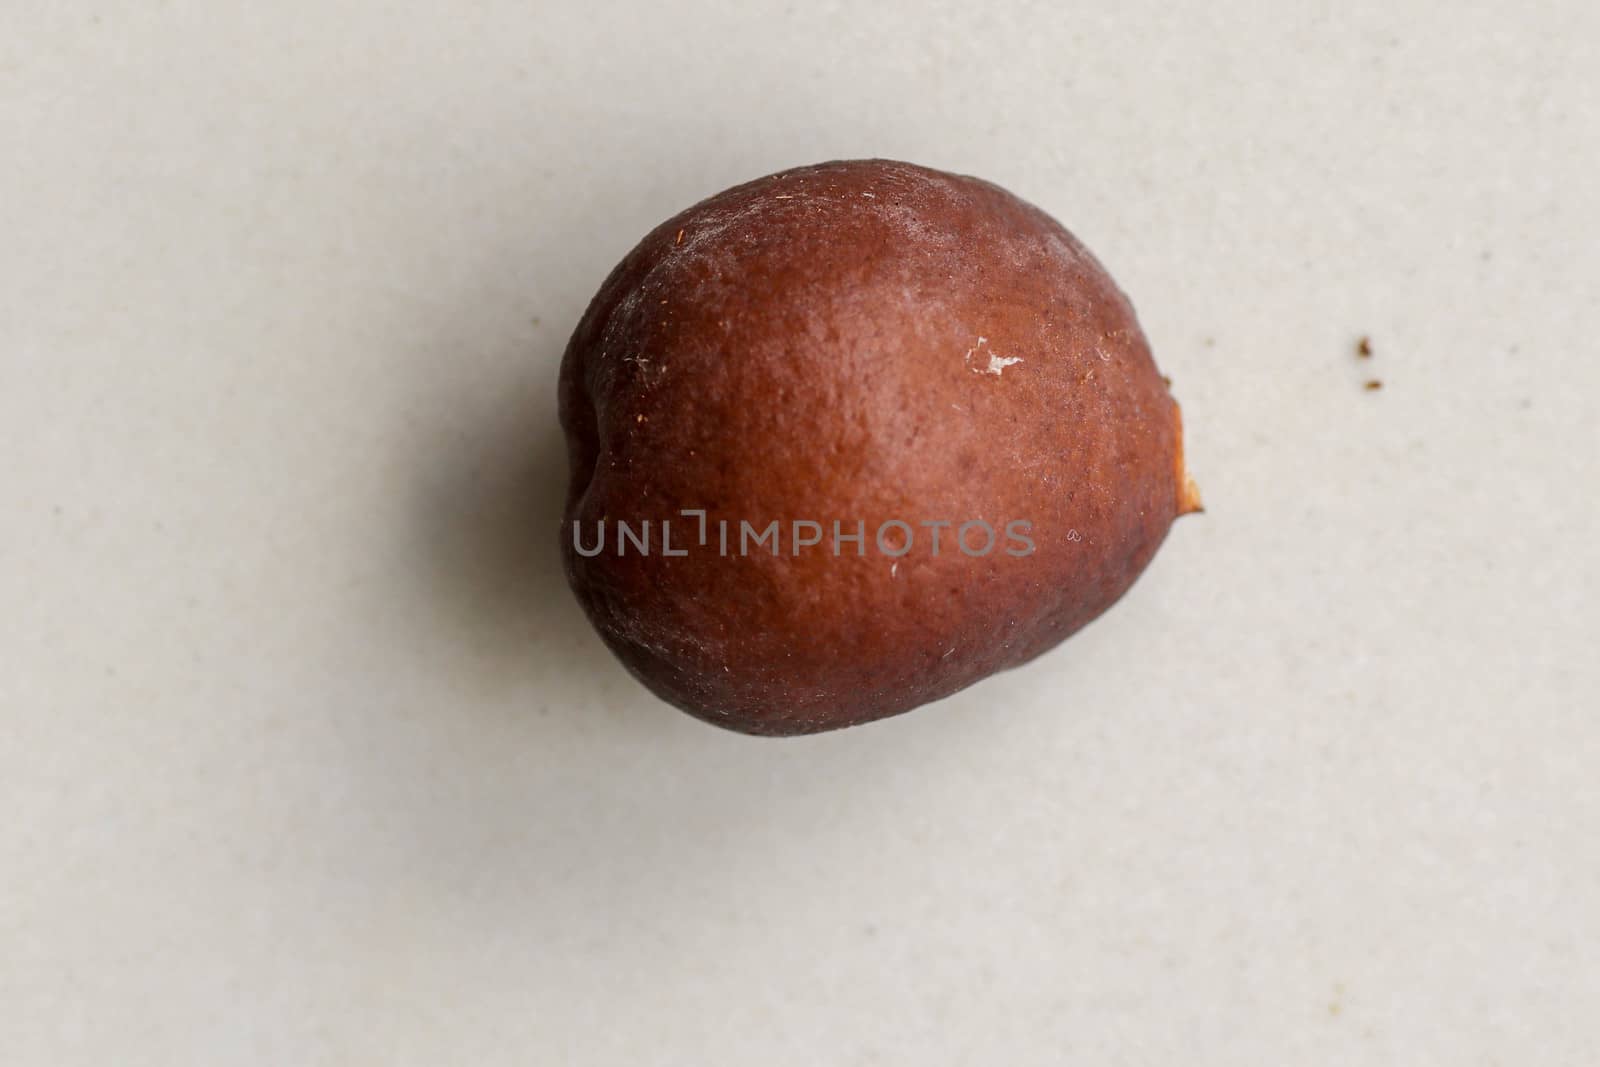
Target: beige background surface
(307, 757)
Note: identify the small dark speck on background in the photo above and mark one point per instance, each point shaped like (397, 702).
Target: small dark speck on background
(1364, 348)
(1373, 385)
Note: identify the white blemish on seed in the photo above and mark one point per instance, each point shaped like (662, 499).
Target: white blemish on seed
(1000, 363)
(997, 363)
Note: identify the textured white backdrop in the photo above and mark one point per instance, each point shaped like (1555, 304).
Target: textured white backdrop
(307, 757)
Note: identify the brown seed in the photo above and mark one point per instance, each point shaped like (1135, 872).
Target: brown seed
(869, 360)
(1373, 385)
(1364, 348)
